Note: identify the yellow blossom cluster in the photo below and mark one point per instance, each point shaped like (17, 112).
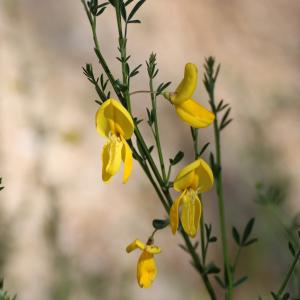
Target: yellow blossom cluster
(115, 123)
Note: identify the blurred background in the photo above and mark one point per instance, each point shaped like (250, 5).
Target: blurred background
(63, 232)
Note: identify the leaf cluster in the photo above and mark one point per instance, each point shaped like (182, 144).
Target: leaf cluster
(244, 239)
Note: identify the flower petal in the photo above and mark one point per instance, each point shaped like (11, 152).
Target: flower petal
(190, 213)
(198, 212)
(114, 156)
(113, 117)
(146, 270)
(204, 178)
(134, 245)
(188, 85)
(174, 212)
(194, 114)
(185, 177)
(152, 249)
(127, 159)
(105, 159)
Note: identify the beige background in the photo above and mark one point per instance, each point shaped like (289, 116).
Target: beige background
(64, 232)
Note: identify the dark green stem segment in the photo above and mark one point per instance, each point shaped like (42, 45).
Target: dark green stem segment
(288, 276)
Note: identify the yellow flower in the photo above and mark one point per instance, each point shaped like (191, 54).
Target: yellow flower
(193, 179)
(146, 266)
(114, 122)
(186, 108)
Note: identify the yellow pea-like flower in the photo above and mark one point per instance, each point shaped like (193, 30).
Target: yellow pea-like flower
(193, 179)
(114, 122)
(189, 110)
(146, 266)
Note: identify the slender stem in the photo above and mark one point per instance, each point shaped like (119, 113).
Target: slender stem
(236, 259)
(199, 266)
(156, 131)
(288, 275)
(220, 194)
(142, 92)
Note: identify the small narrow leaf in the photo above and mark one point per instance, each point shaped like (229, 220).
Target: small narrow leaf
(160, 224)
(135, 9)
(236, 236)
(248, 230)
(212, 269)
(292, 249)
(220, 282)
(240, 281)
(178, 157)
(250, 242)
(203, 149)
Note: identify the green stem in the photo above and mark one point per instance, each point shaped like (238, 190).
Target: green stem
(156, 131)
(236, 259)
(220, 194)
(198, 266)
(288, 275)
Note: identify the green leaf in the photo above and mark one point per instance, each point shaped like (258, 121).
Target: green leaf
(150, 149)
(134, 22)
(212, 239)
(123, 10)
(135, 71)
(248, 230)
(211, 268)
(162, 87)
(220, 282)
(178, 157)
(135, 9)
(240, 281)
(128, 2)
(236, 236)
(203, 149)
(250, 242)
(160, 224)
(292, 249)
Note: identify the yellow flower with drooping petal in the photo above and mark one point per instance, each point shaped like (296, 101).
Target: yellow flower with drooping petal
(146, 266)
(114, 122)
(192, 180)
(186, 108)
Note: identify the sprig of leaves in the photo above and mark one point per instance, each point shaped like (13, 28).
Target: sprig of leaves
(95, 8)
(210, 78)
(244, 240)
(99, 83)
(282, 294)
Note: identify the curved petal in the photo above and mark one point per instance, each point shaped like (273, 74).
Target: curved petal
(146, 270)
(113, 117)
(134, 245)
(185, 176)
(127, 159)
(152, 249)
(204, 178)
(198, 212)
(114, 156)
(188, 85)
(174, 212)
(190, 213)
(105, 159)
(194, 114)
